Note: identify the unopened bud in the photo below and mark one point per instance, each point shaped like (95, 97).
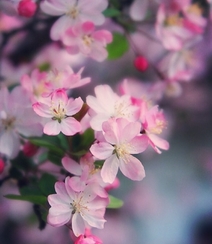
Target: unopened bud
(141, 63)
(27, 8)
(29, 149)
(2, 165)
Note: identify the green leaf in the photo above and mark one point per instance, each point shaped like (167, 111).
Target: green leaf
(115, 202)
(111, 12)
(30, 189)
(46, 184)
(47, 144)
(54, 158)
(118, 47)
(28, 198)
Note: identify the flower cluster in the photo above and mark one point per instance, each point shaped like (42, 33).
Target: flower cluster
(45, 119)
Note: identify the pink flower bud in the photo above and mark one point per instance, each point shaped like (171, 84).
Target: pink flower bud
(27, 8)
(141, 63)
(29, 149)
(2, 165)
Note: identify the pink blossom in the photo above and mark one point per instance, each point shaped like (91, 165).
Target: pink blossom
(35, 85)
(83, 208)
(58, 111)
(85, 173)
(153, 124)
(16, 118)
(73, 12)
(42, 84)
(178, 22)
(122, 138)
(108, 104)
(84, 39)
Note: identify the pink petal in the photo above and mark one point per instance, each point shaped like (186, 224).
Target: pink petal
(59, 219)
(138, 144)
(59, 27)
(74, 107)
(102, 150)
(54, 199)
(71, 166)
(70, 126)
(78, 224)
(110, 169)
(42, 110)
(159, 142)
(94, 221)
(62, 192)
(52, 9)
(130, 131)
(132, 168)
(52, 128)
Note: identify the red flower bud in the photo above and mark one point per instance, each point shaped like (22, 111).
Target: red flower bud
(141, 63)
(2, 165)
(29, 149)
(27, 8)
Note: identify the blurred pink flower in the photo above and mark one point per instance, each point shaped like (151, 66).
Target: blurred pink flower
(73, 12)
(83, 208)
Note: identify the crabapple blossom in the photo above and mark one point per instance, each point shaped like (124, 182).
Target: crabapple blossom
(58, 111)
(42, 84)
(83, 208)
(122, 138)
(2, 165)
(153, 124)
(73, 12)
(84, 39)
(141, 63)
(178, 22)
(86, 173)
(16, 118)
(108, 104)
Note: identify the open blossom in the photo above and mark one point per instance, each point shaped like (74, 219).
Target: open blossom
(16, 118)
(83, 208)
(122, 138)
(86, 173)
(44, 83)
(183, 64)
(108, 104)
(84, 39)
(58, 111)
(73, 12)
(178, 22)
(153, 123)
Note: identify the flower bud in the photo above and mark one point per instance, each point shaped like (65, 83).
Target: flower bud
(27, 8)
(29, 149)
(141, 63)
(2, 165)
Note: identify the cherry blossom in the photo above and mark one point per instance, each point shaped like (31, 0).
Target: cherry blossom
(108, 104)
(16, 118)
(83, 208)
(178, 22)
(73, 12)
(58, 110)
(84, 39)
(153, 124)
(122, 138)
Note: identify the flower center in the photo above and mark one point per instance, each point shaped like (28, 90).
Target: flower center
(159, 126)
(174, 20)
(77, 206)
(58, 111)
(8, 122)
(87, 40)
(73, 12)
(122, 150)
